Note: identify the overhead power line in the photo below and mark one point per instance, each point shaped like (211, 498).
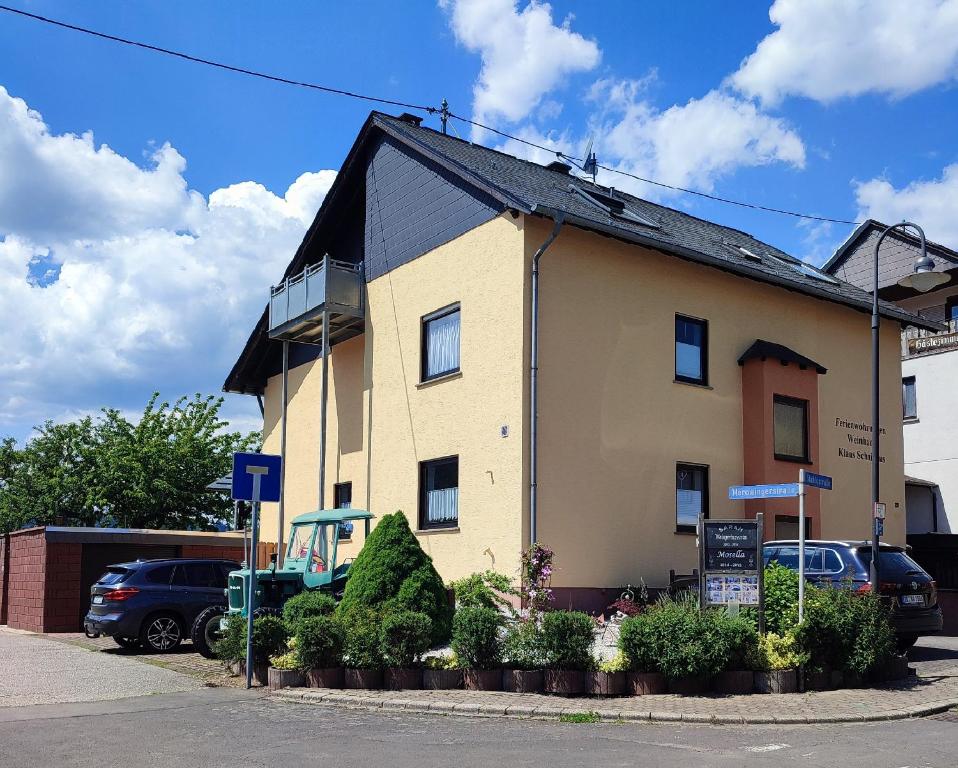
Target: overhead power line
(716, 198)
(217, 64)
(408, 105)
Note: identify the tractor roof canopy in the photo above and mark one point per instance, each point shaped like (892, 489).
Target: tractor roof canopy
(332, 516)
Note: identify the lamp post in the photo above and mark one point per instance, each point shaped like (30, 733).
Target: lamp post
(923, 279)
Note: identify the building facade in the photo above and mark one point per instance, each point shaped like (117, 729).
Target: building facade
(673, 358)
(929, 369)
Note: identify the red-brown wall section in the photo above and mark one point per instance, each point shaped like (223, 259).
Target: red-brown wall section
(25, 588)
(4, 550)
(61, 605)
(761, 381)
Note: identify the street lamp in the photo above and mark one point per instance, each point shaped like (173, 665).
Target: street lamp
(923, 279)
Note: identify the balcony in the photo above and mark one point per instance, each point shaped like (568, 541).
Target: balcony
(917, 342)
(296, 306)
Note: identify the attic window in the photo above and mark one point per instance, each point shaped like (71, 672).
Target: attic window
(804, 268)
(612, 205)
(741, 250)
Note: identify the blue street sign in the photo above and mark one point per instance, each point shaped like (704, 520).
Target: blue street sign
(243, 480)
(818, 481)
(778, 491)
(879, 527)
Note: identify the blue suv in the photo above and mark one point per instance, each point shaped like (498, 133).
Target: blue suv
(152, 603)
(907, 588)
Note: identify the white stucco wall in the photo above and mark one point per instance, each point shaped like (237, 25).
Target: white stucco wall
(931, 442)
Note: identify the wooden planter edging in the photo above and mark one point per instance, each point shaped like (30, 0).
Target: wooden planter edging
(285, 678)
(403, 679)
(441, 679)
(482, 679)
(325, 677)
(564, 682)
(599, 683)
(777, 681)
(366, 679)
(522, 680)
(735, 682)
(645, 683)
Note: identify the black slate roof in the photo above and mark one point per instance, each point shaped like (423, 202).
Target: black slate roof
(535, 188)
(762, 350)
(540, 190)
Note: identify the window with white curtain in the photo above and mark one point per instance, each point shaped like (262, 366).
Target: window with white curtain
(691, 350)
(691, 495)
(439, 493)
(440, 343)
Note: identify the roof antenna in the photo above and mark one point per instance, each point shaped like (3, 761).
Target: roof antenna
(591, 165)
(444, 113)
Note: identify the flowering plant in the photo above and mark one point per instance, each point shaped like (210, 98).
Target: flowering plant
(536, 576)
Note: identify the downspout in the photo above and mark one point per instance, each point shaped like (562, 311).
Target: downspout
(534, 374)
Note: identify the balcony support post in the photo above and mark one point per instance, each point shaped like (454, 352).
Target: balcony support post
(282, 452)
(323, 408)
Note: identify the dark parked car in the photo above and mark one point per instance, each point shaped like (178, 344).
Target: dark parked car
(152, 603)
(909, 590)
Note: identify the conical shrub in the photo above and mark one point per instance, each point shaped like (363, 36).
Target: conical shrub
(392, 572)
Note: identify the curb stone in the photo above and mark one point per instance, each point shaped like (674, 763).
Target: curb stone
(317, 696)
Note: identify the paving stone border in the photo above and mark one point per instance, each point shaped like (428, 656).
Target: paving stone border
(915, 698)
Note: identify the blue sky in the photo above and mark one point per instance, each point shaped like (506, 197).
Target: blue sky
(143, 264)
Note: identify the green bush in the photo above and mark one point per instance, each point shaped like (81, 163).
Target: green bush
(475, 638)
(845, 630)
(319, 642)
(393, 573)
(522, 647)
(567, 639)
(675, 638)
(781, 598)
(774, 652)
(404, 636)
(269, 639)
(361, 649)
(306, 605)
(483, 590)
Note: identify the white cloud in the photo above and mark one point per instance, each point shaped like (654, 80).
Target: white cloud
(829, 49)
(157, 287)
(933, 204)
(524, 55)
(692, 144)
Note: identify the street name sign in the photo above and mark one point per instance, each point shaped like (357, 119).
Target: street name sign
(818, 481)
(777, 491)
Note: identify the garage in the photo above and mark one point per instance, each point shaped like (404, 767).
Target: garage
(46, 572)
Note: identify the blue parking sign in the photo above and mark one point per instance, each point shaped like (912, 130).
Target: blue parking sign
(269, 488)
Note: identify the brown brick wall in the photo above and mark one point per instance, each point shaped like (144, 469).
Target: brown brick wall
(263, 552)
(61, 608)
(27, 573)
(4, 548)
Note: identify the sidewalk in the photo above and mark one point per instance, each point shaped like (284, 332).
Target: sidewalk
(935, 689)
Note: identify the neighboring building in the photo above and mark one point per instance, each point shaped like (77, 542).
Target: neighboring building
(676, 357)
(929, 368)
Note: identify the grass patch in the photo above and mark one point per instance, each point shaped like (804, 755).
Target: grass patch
(580, 717)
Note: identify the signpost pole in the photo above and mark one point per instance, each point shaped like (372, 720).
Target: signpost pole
(701, 545)
(801, 545)
(257, 473)
(760, 565)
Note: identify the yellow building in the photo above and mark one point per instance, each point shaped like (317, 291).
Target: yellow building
(668, 357)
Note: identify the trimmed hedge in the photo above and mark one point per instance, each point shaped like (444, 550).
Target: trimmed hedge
(307, 604)
(404, 637)
(475, 638)
(567, 639)
(319, 642)
(392, 573)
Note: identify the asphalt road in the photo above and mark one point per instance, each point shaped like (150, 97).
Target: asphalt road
(230, 728)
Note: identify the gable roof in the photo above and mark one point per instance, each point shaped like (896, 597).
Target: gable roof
(550, 191)
(943, 256)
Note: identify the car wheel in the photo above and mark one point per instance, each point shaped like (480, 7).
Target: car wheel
(126, 642)
(904, 643)
(161, 633)
(207, 630)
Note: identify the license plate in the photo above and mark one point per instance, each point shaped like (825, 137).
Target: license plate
(98, 599)
(912, 599)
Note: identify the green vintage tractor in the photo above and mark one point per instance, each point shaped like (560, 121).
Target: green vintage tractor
(310, 564)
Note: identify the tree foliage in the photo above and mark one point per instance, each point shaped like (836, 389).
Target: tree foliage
(151, 473)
